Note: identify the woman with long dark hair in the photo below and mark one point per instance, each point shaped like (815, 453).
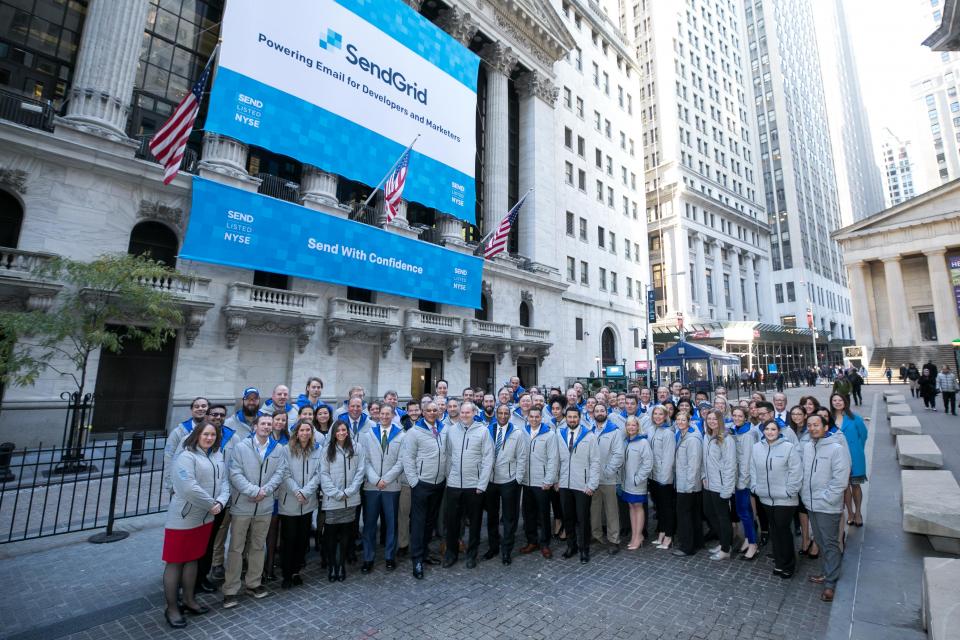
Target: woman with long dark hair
(200, 491)
(854, 429)
(298, 501)
(341, 476)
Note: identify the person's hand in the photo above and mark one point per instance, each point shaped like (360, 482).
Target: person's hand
(547, 487)
(381, 485)
(300, 498)
(589, 492)
(479, 491)
(216, 508)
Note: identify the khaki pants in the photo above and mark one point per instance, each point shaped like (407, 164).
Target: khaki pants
(604, 508)
(220, 541)
(249, 531)
(403, 519)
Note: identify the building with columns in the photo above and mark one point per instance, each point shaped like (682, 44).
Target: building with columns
(903, 266)
(797, 165)
(80, 103)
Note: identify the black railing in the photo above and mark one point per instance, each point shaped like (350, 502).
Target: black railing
(277, 187)
(363, 213)
(191, 158)
(37, 114)
(122, 478)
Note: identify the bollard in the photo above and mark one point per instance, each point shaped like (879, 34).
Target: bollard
(136, 458)
(6, 453)
(110, 535)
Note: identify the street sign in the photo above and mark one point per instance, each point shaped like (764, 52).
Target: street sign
(651, 306)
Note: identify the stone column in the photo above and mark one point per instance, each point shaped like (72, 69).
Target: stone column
(736, 295)
(451, 228)
(537, 139)
(900, 332)
(719, 299)
(318, 191)
(100, 96)
(764, 293)
(861, 287)
(459, 24)
(752, 310)
(225, 160)
(500, 61)
(699, 275)
(941, 290)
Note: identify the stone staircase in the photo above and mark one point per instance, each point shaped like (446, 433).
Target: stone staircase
(895, 356)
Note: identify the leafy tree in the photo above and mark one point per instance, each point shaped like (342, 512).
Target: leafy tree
(114, 289)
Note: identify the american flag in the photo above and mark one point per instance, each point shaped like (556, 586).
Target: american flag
(498, 241)
(170, 141)
(393, 187)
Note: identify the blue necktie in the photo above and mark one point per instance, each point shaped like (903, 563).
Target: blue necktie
(499, 442)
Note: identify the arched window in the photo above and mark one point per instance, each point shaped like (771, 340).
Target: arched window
(608, 346)
(483, 313)
(155, 239)
(11, 218)
(524, 314)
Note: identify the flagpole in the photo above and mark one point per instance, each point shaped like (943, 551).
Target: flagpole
(484, 239)
(389, 171)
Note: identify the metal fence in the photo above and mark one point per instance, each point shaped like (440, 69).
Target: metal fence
(48, 491)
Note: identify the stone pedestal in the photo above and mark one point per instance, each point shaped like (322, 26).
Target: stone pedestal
(225, 160)
(919, 452)
(931, 507)
(894, 398)
(904, 425)
(896, 409)
(941, 615)
(102, 89)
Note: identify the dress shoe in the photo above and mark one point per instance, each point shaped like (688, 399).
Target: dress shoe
(297, 580)
(341, 573)
(827, 595)
(391, 565)
(490, 554)
(584, 558)
(207, 587)
(786, 575)
(199, 610)
(332, 573)
(816, 579)
(570, 552)
(546, 553)
(366, 567)
(679, 553)
(530, 548)
(175, 624)
(418, 571)
(613, 549)
(506, 560)
(472, 563)
(433, 559)
(449, 562)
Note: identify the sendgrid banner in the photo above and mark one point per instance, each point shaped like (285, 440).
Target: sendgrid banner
(241, 229)
(346, 85)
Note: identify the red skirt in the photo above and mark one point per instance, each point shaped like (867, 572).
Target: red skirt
(186, 545)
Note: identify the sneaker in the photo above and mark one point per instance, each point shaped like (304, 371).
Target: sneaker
(218, 573)
(259, 592)
(715, 548)
(720, 555)
(230, 602)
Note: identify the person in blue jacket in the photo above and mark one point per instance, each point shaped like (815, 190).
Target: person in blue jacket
(854, 429)
(312, 396)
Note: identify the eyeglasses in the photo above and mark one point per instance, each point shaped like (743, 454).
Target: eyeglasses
(216, 415)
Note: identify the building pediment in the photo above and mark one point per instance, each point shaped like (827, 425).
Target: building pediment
(531, 27)
(936, 206)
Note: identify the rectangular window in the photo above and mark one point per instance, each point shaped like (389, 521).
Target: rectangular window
(601, 237)
(581, 147)
(694, 294)
(602, 275)
(567, 98)
(613, 242)
(582, 180)
(777, 292)
(598, 158)
(599, 191)
(571, 269)
(580, 108)
(613, 282)
(597, 120)
(571, 224)
(626, 248)
(583, 229)
(726, 290)
(584, 273)
(568, 167)
(578, 324)
(629, 287)
(791, 292)
(709, 286)
(568, 137)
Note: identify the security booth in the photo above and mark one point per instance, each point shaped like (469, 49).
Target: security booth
(697, 366)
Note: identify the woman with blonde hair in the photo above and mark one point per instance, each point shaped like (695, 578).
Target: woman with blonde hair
(720, 480)
(637, 464)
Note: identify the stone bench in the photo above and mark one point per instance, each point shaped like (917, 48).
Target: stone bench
(894, 398)
(918, 452)
(931, 507)
(904, 425)
(898, 409)
(941, 600)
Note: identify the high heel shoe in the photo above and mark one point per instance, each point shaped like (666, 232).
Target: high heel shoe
(805, 550)
(332, 573)
(174, 624)
(198, 611)
(341, 573)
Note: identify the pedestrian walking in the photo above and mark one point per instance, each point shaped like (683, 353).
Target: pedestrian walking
(948, 386)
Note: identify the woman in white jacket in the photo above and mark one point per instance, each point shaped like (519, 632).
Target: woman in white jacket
(719, 480)
(341, 476)
(200, 491)
(637, 464)
(297, 496)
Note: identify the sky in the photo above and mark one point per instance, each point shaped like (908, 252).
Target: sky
(887, 37)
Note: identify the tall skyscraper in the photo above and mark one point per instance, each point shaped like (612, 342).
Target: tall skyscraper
(798, 166)
(708, 234)
(858, 178)
(897, 169)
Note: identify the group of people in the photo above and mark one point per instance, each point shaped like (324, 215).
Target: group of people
(928, 383)
(269, 478)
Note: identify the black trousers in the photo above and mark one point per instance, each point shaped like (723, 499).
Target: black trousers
(506, 495)
(206, 560)
(689, 521)
(762, 517)
(557, 505)
(462, 502)
(536, 515)
(576, 519)
(781, 535)
(665, 500)
(294, 542)
(857, 396)
(339, 539)
(950, 402)
(424, 507)
(717, 510)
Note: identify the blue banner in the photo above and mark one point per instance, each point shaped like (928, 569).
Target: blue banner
(346, 86)
(247, 230)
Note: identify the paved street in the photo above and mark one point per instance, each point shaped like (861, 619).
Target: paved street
(63, 587)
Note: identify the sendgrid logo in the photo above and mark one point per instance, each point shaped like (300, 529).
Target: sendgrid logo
(386, 74)
(333, 39)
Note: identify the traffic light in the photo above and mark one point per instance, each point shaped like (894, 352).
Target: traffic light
(643, 343)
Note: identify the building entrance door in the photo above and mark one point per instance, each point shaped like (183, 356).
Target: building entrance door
(481, 372)
(928, 326)
(427, 369)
